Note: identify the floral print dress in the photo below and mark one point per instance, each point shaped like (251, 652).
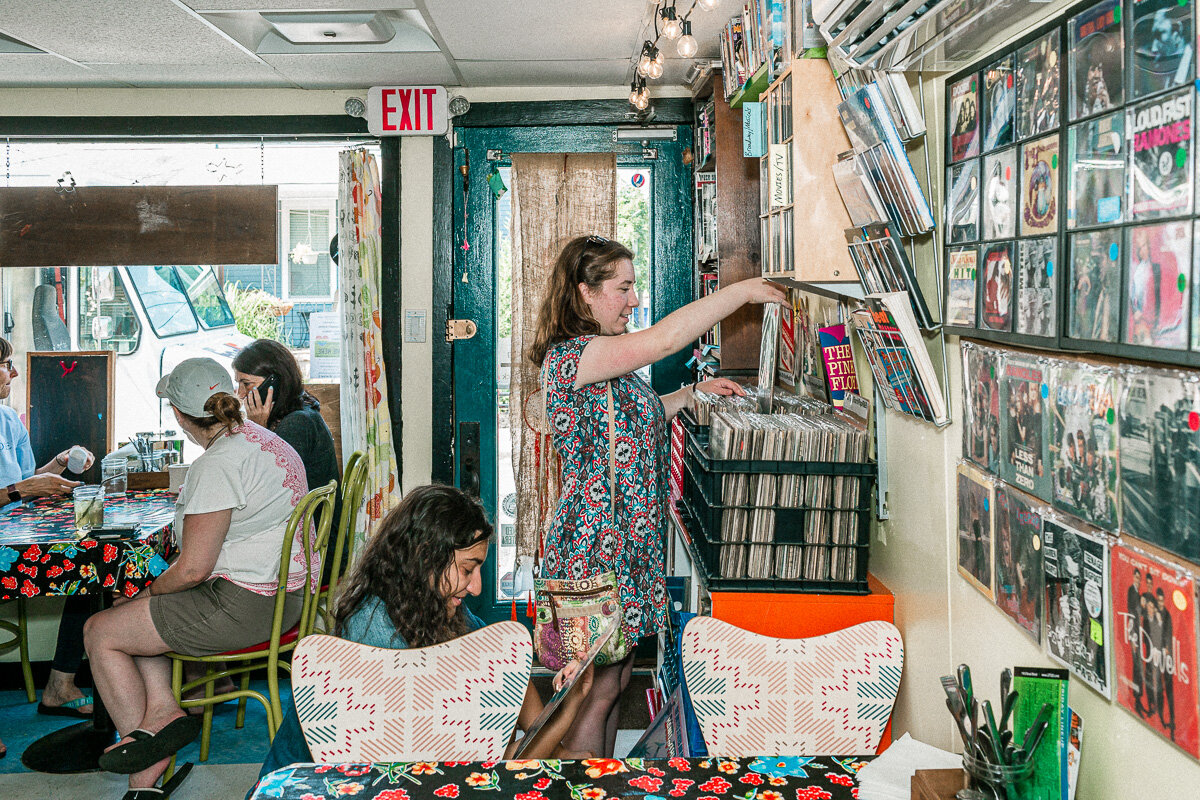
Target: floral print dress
(583, 539)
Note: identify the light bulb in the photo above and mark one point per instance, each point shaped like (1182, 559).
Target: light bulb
(656, 69)
(670, 23)
(707, 5)
(686, 46)
(634, 93)
(643, 101)
(643, 64)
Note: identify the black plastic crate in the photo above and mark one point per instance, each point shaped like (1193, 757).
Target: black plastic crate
(797, 550)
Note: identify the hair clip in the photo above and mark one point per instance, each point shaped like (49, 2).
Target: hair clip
(597, 240)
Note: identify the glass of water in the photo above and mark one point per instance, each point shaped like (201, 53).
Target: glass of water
(89, 508)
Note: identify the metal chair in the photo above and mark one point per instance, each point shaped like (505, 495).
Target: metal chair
(757, 695)
(454, 701)
(20, 639)
(264, 655)
(354, 482)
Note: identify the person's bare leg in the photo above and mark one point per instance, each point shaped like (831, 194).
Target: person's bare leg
(60, 689)
(590, 732)
(614, 715)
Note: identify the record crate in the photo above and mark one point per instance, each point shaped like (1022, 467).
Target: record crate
(818, 545)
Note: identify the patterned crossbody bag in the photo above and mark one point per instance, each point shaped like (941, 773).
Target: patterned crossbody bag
(571, 614)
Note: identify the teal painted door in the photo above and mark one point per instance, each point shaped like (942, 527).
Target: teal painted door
(655, 197)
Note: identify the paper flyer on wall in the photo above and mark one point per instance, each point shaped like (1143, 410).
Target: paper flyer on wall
(1024, 425)
(960, 290)
(1000, 95)
(1158, 284)
(1162, 51)
(1019, 577)
(1078, 634)
(1036, 296)
(963, 118)
(982, 370)
(1038, 67)
(1160, 456)
(1094, 307)
(1084, 441)
(975, 516)
(1000, 193)
(1039, 186)
(1096, 172)
(1097, 56)
(1154, 624)
(1161, 165)
(996, 303)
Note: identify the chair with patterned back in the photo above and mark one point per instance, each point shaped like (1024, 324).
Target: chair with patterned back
(454, 701)
(758, 695)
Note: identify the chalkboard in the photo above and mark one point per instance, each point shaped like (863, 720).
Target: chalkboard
(70, 401)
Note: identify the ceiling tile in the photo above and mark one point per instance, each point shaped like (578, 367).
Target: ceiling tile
(118, 32)
(159, 76)
(298, 5)
(363, 70)
(544, 73)
(25, 70)
(477, 30)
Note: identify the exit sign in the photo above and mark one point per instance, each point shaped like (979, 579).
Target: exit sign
(407, 110)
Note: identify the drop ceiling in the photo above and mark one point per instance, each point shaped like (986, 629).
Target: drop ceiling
(206, 44)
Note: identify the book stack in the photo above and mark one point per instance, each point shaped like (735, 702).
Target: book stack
(899, 360)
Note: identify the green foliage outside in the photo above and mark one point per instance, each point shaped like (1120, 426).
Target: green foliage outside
(255, 312)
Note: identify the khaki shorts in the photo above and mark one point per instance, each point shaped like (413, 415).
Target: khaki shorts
(218, 616)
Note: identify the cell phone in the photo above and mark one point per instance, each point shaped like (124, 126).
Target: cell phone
(269, 382)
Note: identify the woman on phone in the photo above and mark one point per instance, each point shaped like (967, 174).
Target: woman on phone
(583, 348)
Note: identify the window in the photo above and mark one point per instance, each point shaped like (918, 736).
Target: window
(309, 271)
(106, 317)
(208, 300)
(164, 299)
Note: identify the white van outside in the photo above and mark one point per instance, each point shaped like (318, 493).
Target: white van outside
(153, 317)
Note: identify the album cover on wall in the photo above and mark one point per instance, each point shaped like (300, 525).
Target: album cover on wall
(960, 286)
(1039, 186)
(1000, 95)
(1000, 194)
(1097, 55)
(982, 370)
(1038, 67)
(975, 509)
(1025, 425)
(1154, 622)
(1160, 456)
(1157, 284)
(1162, 45)
(1161, 168)
(1094, 310)
(1083, 441)
(1075, 563)
(1019, 578)
(1195, 295)
(996, 304)
(962, 209)
(1096, 172)
(963, 119)
(1035, 286)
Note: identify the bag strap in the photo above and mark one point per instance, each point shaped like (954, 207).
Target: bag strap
(612, 455)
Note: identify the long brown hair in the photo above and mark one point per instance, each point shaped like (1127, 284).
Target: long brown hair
(590, 260)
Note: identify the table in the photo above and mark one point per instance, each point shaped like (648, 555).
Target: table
(40, 556)
(764, 778)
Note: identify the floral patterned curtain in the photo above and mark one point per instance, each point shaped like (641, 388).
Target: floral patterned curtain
(366, 423)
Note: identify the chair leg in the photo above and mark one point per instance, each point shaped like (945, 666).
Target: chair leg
(23, 631)
(241, 712)
(273, 688)
(177, 690)
(206, 729)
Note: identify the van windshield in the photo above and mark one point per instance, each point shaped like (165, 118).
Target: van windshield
(164, 298)
(208, 300)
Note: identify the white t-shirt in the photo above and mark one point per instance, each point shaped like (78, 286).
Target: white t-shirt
(259, 476)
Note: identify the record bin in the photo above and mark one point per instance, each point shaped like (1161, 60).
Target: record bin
(795, 547)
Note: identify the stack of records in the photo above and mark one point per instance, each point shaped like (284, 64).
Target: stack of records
(883, 266)
(830, 503)
(704, 404)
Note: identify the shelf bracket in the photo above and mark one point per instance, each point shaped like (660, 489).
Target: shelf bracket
(881, 483)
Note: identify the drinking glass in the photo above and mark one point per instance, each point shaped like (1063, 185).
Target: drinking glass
(89, 508)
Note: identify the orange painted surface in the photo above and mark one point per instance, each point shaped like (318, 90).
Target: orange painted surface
(799, 616)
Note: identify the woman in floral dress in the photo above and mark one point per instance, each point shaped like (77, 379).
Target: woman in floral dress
(582, 345)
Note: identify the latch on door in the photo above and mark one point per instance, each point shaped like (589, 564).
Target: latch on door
(460, 329)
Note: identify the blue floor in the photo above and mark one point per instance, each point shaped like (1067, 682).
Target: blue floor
(20, 724)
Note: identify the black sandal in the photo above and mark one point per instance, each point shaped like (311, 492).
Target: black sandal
(146, 749)
(160, 792)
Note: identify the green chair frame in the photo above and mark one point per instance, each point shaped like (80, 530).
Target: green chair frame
(20, 639)
(354, 483)
(315, 508)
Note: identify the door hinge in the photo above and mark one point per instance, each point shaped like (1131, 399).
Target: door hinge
(460, 329)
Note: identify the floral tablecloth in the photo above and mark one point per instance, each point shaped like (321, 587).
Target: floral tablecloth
(40, 554)
(778, 778)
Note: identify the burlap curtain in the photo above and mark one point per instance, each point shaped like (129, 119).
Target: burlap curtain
(555, 198)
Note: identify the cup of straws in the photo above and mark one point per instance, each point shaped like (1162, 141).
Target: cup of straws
(89, 508)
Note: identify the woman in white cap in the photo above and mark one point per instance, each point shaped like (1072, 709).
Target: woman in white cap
(219, 594)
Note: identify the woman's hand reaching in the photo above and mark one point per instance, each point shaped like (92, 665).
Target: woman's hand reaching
(760, 290)
(721, 386)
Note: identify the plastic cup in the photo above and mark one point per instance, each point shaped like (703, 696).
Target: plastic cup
(89, 508)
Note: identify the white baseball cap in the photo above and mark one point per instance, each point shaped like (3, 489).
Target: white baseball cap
(192, 382)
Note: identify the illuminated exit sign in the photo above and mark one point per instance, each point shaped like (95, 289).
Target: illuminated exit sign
(407, 110)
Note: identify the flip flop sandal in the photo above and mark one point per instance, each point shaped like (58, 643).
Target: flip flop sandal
(160, 792)
(67, 709)
(147, 749)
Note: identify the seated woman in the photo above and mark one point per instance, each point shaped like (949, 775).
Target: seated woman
(407, 590)
(219, 594)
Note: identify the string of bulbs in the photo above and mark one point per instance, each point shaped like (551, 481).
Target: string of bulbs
(649, 61)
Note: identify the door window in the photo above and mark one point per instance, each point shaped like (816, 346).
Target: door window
(106, 317)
